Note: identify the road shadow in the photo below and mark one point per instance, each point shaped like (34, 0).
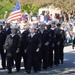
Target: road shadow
(67, 67)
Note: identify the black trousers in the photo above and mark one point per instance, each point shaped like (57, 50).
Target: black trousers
(50, 57)
(16, 58)
(56, 55)
(24, 55)
(32, 61)
(61, 53)
(45, 50)
(3, 57)
(39, 60)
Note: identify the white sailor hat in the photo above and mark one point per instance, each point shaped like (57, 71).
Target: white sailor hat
(15, 21)
(53, 22)
(32, 27)
(41, 23)
(13, 27)
(21, 24)
(1, 23)
(48, 23)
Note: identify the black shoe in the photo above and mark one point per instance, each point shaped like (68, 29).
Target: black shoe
(44, 68)
(39, 70)
(9, 72)
(4, 68)
(27, 71)
(35, 71)
(18, 70)
(50, 66)
(61, 62)
(57, 65)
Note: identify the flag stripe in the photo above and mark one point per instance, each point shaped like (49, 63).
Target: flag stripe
(15, 12)
(15, 18)
(15, 15)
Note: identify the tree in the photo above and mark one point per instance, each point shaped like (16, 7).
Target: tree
(29, 8)
(5, 6)
(34, 5)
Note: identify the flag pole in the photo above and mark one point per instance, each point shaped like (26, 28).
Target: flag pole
(20, 4)
(20, 8)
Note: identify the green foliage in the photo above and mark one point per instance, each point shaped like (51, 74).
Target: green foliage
(34, 5)
(5, 6)
(8, 5)
(29, 8)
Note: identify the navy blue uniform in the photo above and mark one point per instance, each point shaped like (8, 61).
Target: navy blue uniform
(11, 45)
(22, 46)
(62, 44)
(60, 38)
(2, 41)
(43, 54)
(33, 43)
(6, 31)
(52, 46)
(59, 34)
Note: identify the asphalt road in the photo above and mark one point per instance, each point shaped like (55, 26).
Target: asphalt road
(67, 68)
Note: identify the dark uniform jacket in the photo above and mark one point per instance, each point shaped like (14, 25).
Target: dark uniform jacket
(33, 43)
(7, 31)
(60, 36)
(2, 39)
(44, 36)
(23, 40)
(52, 36)
(11, 44)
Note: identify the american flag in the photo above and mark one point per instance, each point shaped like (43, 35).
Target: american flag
(16, 13)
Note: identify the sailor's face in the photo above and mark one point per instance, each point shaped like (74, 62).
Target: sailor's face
(32, 31)
(7, 25)
(52, 25)
(42, 26)
(13, 31)
(48, 26)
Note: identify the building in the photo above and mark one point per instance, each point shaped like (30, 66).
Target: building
(51, 10)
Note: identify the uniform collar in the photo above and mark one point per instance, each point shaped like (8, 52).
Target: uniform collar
(22, 31)
(52, 28)
(12, 35)
(32, 35)
(42, 30)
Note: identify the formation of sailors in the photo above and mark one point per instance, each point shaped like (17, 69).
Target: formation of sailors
(40, 44)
